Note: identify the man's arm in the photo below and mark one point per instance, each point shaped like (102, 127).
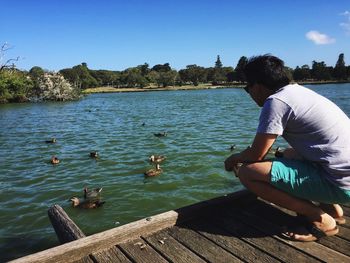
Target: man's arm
(261, 145)
(290, 153)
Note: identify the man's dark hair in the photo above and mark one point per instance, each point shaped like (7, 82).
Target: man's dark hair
(267, 70)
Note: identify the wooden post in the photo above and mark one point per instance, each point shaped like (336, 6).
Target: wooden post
(66, 230)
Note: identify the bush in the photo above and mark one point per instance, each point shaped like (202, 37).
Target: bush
(54, 87)
(14, 86)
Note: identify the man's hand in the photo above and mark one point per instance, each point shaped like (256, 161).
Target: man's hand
(261, 145)
(231, 162)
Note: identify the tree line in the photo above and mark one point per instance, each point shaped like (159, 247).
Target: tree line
(38, 84)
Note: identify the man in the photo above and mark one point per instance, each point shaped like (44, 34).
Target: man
(315, 168)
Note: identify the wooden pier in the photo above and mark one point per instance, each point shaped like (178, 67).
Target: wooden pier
(233, 228)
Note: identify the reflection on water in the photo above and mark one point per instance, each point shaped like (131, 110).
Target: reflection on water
(201, 127)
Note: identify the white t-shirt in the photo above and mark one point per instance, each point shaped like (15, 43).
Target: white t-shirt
(314, 126)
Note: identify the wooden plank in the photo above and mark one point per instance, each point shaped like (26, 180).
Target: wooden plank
(312, 248)
(139, 251)
(347, 223)
(86, 259)
(109, 255)
(171, 249)
(338, 243)
(263, 241)
(272, 216)
(347, 218)
(77, 249)
(346, 210)
(344, 232)
(203, 247)
(231, 243)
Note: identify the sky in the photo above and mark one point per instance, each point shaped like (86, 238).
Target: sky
(115, 35)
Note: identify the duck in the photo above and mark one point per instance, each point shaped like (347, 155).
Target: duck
(160, 134)
(233, 147)
(92, 193)
(87, 204)
(94, 154)
(53, 140)
(55, 160)
(156, 158)
(154, 172)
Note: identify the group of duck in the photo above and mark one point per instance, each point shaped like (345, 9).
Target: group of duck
(55, 160)
(92, 197)
(156, 160)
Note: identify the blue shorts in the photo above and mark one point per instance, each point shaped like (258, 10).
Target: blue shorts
(305, 180)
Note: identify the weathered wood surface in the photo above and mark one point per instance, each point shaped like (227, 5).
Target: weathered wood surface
(234, 228)
(66, 230)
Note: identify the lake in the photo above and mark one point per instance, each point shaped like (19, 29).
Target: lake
(201, 127)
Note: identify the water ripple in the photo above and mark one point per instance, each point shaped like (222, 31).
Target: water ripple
(201, 127)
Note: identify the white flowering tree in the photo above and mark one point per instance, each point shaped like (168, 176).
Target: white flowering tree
(54, 87)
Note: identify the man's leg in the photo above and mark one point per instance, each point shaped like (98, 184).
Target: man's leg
(256, 177)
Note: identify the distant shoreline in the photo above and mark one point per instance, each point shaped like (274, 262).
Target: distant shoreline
(189, 87)
(146, 89)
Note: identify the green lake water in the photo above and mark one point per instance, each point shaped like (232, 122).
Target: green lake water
(201, 127)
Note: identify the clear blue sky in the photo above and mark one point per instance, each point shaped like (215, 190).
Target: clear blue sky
(115, 35)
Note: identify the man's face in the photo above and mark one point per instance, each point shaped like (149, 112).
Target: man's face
(259, 93)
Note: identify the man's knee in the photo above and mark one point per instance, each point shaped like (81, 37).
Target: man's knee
(259, 171)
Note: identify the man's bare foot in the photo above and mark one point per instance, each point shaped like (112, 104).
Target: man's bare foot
(335, 211)
(313, 231)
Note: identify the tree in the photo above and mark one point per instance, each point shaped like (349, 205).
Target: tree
(14, 85)
(320, 71)
(144, 69)
(302, 73)
(152, 76)
(228, 73)
(239, 70)
(80, 76)
(194, 74)
(106, 77)
(162, 68)
(218, 63)
(339, 71)
(36, 74)
(53, 86)
(167, 78)
(134, 78)
(9, 63)
(218, 76)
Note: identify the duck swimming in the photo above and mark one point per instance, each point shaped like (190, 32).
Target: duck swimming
(92, 193)
(93, 154)
(154, 172)
(54, 160)
(53, 140)
(87, 204)
(233, 147)
(160, 134)
(156, 158)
